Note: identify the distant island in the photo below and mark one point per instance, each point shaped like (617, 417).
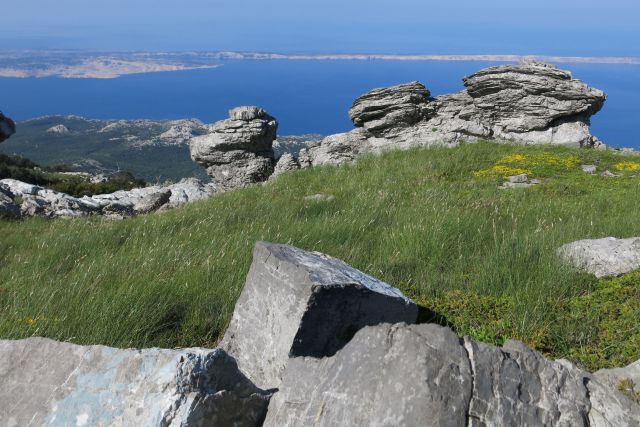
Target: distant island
(105, 65)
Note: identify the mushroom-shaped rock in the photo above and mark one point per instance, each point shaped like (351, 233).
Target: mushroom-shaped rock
(299, 303)
(385, 108)
(7, 127)
(46, 382)
(238, 151)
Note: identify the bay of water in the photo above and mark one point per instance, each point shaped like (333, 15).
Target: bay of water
(305, 96)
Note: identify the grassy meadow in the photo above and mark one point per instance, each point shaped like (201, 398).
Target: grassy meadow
(430, 222)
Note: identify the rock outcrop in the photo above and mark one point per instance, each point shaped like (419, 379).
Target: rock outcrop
(44, 382)
(603, 257)
(531, 103)
(299, 303)
(33, 200)
(238, 151)
(7, 127)
(313, 327)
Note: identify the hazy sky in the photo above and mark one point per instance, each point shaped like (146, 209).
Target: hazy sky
(575, 27)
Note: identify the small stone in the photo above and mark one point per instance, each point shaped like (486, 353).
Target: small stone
(318, 198)
(591, 169)
(535, 181)
(518, 179)
(608, 174)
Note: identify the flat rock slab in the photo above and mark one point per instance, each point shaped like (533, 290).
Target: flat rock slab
(603, 257)
(45, 382)
(299, 303)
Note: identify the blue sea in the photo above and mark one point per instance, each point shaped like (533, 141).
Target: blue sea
(305, 96)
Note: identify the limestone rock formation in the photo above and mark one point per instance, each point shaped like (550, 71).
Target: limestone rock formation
(603, 257)
(7, 127)
(44, 382)
(286, 163)
(530, 102)
(238, 151)
(38, 201)
(299, 303)
(388, 108)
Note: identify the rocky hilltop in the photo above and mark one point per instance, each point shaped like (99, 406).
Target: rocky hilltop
(312, 341)
(529, 103)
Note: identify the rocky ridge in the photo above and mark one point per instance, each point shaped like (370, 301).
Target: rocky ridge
(304, 358)
(529, 103)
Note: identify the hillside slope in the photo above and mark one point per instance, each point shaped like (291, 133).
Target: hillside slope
(431, 222)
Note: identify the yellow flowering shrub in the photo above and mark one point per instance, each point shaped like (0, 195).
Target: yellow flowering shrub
(627, 166)
(514, 164)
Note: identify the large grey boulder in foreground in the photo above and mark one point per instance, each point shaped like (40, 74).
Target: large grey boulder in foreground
(299, 303)
(530, 103)
(417, 375)
(238, 151)
(603, 257)
(7, 127)
(44, 382)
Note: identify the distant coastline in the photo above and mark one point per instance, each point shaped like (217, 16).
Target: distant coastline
(107, 65)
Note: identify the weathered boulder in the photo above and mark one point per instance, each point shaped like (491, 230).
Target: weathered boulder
(530, 102)
(386, 108)
(299, 303)
(190, 190)
(415, 375)
(286, 163)
(603, 257)
(238, 151)
(7, 127)
(46, 382)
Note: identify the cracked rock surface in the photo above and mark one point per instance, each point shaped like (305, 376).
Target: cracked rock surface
(46, 382)
(603, 257)
(300, 303)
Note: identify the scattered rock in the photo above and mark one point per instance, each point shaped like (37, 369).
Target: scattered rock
(7, 127)
(591, 169)
(608, 174)
(603, 257)
(55, 383)
(517, 179)
(238, 151)
(152, 202)
(39, 201)
(299, 303)
(286, 163)
(319, 198)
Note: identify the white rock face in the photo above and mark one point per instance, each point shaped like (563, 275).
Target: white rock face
(45, 382)
(603, 257)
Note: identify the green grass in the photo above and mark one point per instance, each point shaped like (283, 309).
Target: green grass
(422, 220)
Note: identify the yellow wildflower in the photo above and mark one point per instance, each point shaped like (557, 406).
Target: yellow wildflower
(627, 166)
